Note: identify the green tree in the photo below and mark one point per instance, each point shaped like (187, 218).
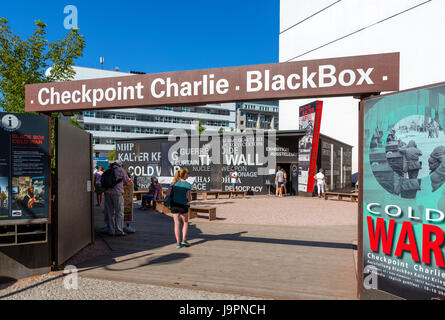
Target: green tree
(25, 62)
(112, 155)
(75, 122)
(221, 130)
(200, 128)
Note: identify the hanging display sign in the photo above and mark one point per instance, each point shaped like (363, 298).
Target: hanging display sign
(24, 166)
(298, 79)
(309, 121)
(404, 193)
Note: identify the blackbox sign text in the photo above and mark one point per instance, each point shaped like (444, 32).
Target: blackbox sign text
(322, 78)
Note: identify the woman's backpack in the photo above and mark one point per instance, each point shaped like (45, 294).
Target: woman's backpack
(108, 179)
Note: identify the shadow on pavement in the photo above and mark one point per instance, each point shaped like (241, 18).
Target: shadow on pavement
(6, 282)
(154, 230)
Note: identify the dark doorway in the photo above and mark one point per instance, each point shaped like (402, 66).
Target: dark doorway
(289, 190)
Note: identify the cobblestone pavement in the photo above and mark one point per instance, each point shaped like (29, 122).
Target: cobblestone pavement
(51, 287)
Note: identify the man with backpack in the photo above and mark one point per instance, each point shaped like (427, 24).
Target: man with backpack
(113, 181)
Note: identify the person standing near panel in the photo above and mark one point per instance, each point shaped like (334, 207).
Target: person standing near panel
(279, 179)
(284, 181)
(97, 185)
(233, 178)
(113, 180)
(180, 204)
(321, 181)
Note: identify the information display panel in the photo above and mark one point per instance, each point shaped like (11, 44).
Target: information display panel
(24, 166)
(404, 193)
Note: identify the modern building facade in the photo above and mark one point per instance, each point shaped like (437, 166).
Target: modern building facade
(257, 115)
(107, 126)
(327, 28)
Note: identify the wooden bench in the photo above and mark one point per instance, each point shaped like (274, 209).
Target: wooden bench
(217, 194)
(193, 210)
(139, 194)
(352, 196)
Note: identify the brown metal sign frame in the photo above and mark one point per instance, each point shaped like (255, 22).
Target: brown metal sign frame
(355, 72)
(347, 76)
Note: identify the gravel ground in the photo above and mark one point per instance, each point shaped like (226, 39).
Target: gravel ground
(287, 211)
(51, 287)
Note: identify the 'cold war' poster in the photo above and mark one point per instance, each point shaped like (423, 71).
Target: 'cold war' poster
(24, 166)
(404, 193)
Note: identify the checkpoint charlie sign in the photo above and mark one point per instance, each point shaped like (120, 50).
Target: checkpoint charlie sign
(358, 76)
(300, 79)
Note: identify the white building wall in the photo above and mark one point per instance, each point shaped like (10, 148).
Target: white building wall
(328, 29)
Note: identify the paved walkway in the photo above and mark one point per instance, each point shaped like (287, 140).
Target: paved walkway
(284, 262)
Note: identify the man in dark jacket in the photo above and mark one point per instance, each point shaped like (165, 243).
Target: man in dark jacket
(412, 154)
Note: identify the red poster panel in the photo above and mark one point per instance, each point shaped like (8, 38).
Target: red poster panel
(309, 120)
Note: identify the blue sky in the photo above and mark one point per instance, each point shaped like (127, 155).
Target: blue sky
(159, 36)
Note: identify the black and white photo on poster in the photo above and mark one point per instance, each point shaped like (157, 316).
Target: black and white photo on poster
(403, 154)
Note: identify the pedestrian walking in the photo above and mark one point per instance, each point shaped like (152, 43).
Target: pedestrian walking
(321, 182)
(97, 185)
(180, 198)
(284, 182)
(279, 179)
(113, 180)
(233, 178)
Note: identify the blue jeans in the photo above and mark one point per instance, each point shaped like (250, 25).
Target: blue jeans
(146, 198)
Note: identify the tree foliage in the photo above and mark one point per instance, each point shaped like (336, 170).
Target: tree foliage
(200, 128)
(112, 155)
(75, 122)
(26, 61)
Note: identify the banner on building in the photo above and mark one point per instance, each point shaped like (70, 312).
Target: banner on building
(404, 193)
(309, 121)
(24, 166)
(209, 159)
